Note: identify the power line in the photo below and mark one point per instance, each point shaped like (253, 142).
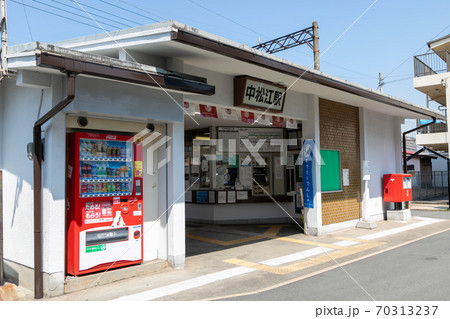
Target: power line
(56, 14)
(136, 7)
(265, 36)
(222, 16)
(75, 14)
(403, 79)
(108, 13)
(94, 14)
(28, 22)
(138, 14)
(409, 57)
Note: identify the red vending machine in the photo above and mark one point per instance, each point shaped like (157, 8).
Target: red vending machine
(104, 202)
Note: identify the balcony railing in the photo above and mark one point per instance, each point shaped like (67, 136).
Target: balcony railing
(433, 128)
(431, 63)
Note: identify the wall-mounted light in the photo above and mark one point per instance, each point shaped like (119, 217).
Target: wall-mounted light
(30, 151)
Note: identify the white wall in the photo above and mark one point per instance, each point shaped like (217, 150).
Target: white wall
(93, 97)
(295, 105)
(103, 97)
(382, 139)
(19, 114)
(416, 162)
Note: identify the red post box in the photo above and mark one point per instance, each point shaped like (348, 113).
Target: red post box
(397, 188)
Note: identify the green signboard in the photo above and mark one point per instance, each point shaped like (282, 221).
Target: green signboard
(330, 171)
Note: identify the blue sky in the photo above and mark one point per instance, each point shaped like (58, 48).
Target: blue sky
(384, 39)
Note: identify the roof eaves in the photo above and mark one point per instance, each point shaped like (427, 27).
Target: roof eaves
(66, 60)
(250, 55)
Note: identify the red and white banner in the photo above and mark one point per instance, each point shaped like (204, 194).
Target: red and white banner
(229, 114)
(291, 123)
(189, 108)
(277, 121)
(263, 119)
(208, 111)
(247, 117)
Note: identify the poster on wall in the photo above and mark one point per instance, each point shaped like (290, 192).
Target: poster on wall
(229, 114)
(189, 108)
(263, 119)
(291, 123)
(231, 197)
(208, 111)
(221, 197)
(277, 121)
(212, 197)
(345, 177)
(245, 173)
(308, 162)
(247, 117)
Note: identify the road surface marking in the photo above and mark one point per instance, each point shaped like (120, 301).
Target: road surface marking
(389, 232)
(210, 278)
(321, 271)
(305, 264)
(307, 242)
(229, 273)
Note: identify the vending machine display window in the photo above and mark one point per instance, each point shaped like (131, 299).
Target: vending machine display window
(105, 168)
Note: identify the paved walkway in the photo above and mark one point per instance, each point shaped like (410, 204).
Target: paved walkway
(238, 259)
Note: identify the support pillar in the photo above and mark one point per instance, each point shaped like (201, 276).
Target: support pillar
(311, 130)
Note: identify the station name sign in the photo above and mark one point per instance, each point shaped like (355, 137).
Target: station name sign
(258, 94)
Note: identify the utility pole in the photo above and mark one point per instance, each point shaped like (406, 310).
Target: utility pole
(3, 62)
(315, 26)
(380, 82)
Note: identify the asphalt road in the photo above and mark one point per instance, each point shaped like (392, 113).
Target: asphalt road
(416, 271)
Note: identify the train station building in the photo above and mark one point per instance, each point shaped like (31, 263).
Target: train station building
(228, 135)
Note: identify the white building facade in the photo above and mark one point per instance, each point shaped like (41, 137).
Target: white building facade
(131, 78)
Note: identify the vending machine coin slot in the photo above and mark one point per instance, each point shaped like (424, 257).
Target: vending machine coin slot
(138, 187)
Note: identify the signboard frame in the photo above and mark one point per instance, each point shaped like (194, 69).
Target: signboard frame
(241, 85)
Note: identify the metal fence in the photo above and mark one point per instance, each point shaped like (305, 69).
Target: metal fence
(426, 185)
(431, 63)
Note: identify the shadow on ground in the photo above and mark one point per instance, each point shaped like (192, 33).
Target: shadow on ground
(206, 238)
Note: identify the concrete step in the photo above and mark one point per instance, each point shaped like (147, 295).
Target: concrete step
(86, 281)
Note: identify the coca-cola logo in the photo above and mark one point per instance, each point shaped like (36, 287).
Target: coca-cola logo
(111, 137)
